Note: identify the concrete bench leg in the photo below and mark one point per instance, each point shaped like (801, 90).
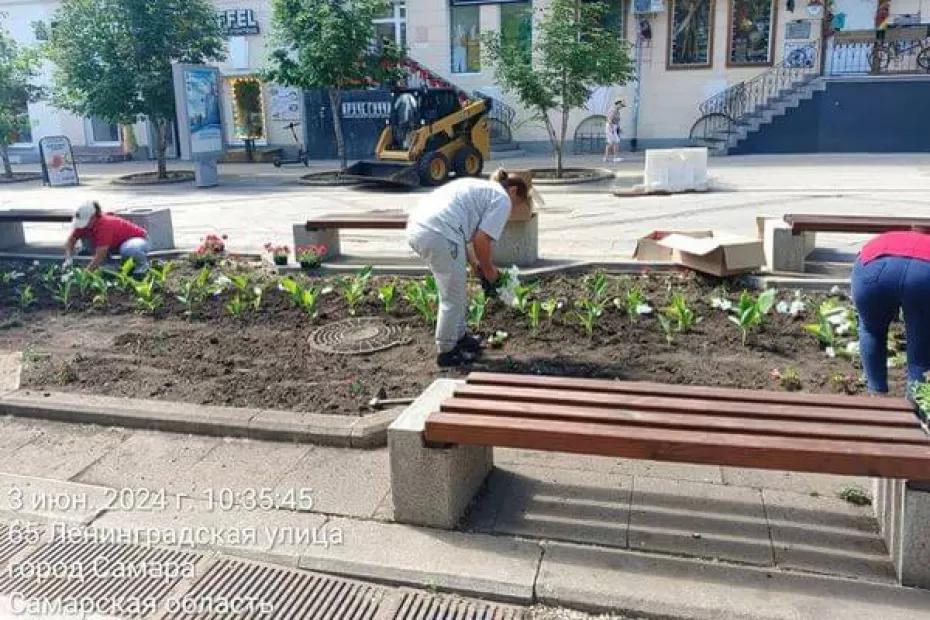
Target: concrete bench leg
(902, 508)
(11, 235)
(432, 486)
(156, 222)
(321, 236)
(784, 251)
(519, 245)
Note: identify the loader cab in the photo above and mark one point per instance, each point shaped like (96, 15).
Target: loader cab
(411, 109)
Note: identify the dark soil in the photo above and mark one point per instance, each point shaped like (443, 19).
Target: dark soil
(151, 178)
(263, 359)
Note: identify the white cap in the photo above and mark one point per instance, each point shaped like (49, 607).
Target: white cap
(83, 214)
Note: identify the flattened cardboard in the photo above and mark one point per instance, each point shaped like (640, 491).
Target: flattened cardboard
(717, 254)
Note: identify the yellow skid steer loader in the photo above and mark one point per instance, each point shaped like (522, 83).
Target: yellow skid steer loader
(429, 136)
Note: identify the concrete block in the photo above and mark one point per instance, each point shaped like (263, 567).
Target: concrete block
(784, 251)
(519, 245)
(325, 236)
(156, 222)
(432, 486)
(11, 365)
(914, 560)
(11, 235)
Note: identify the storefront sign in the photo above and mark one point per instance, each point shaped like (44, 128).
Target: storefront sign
(800, 29)
(285, 103)
(238, 22)
(366, 109)
(197, 97)
(58, 165)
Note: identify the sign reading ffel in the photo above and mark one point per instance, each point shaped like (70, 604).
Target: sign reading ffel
(238, 22)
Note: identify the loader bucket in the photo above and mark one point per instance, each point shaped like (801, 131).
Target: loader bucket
(380, 172)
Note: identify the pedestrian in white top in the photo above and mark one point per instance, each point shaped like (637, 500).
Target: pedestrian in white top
(462, 212)
(612, 132)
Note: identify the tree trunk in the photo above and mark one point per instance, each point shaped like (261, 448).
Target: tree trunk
(562, 134)
(335, 102)
(5, 156)
(554, 139)
(161, 147)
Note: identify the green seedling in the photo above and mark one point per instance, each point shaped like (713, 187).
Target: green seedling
(678, 310)
(387, 295)
(633, 304)
(82, 278)
(751, 312)
(148, 299)
(235, 306)
(123, 277)
(521, 296)
(27, 297)
(51, 278)
(497, 339)
(353, 289)
(667, 328)
(533, 314)
(588, 312)
(305, 298)
(549, 307)
(99, 289)
(830, 315)
(477, 307)
(63, 293)
(424, 298)
(194, 291)
(598, 286)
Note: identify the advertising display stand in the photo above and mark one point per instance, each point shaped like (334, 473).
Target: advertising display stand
(58, 166)
(200, 122)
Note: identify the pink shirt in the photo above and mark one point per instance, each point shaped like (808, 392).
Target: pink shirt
(905, 244)
(109, 231)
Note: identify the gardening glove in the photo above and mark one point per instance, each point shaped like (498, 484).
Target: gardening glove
(66, 264)
(490, 288)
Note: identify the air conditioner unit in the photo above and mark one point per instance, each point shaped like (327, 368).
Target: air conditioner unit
(648, 6)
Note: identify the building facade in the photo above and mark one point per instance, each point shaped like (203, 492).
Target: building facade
(684, 51)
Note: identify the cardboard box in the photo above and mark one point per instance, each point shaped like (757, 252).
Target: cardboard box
(522, 212)
(706, 251)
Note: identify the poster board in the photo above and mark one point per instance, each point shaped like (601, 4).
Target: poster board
(199, 116)
(58, 166)
(285, 103)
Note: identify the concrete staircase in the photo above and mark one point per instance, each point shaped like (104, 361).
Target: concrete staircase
(781, 104)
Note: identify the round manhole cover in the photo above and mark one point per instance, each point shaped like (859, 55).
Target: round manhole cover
(359, 336)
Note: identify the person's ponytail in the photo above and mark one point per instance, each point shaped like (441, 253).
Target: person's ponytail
(511, 180)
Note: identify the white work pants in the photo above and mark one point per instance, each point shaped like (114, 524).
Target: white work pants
(447, 260)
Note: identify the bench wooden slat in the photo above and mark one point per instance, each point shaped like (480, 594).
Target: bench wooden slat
(731, 449)
(864, 224)
(646, 388)
(387, 220)
(623, 417)
(36, 215)
(807, 413)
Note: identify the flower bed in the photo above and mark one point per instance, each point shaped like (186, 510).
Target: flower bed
(234, 334)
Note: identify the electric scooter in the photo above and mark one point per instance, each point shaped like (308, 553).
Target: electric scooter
(303, 157)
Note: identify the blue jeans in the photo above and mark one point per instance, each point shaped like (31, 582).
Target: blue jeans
(880, 290)
(137, 249)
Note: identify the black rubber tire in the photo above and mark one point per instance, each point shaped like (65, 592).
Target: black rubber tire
(429, 169)
(923, 59)
(461, 162)
(277, 162)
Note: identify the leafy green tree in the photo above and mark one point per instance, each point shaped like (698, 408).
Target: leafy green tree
(113, 58)
(329, 44)
(572, 54)
(18, 67)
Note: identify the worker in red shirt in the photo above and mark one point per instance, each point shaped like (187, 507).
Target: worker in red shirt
(108, 234)
(892, 274)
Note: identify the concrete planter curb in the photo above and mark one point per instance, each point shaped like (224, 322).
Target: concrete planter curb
(369, 431)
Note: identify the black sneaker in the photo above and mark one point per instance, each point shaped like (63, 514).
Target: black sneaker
(455, 357)
(469, 344)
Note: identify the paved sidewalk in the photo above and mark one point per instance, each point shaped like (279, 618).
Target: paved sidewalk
(257, 203)
(584, 532)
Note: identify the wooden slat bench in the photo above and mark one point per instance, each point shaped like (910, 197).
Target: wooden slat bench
(852, 224)
(442, 446)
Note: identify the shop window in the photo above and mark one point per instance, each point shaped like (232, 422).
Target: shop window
(751, 26)
(691, 26)
(517, 26)
(248, 109)
(391, 25)
(102, 132)
(466, 47)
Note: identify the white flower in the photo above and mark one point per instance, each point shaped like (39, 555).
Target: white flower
(643, 309)
(852, 348)
(831, 352)
(720, 303)
(257, 290)
(35, 263)
(836, 290)
(837, 318)
(560, 305)
(797, 307)
(782, 307)
(326, 290)
(16, 275)
(223, 281)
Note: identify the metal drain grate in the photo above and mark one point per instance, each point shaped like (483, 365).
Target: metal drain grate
(359, 336)
(279, 593)
(124, 580)
(10, 545)
(421, 606)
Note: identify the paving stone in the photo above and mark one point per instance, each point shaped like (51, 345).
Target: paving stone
(61, 451)
(15, 432)
(701, 520)
(277, 532)
(471, 564)
(825, 485)
(558, 460)
(344, 481)
(672, 471)
(152, 460)
(571, 505)
(655, 586)
(10, 371)
(826, 535)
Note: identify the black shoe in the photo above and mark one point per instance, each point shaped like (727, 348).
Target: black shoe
(469, 344)
(455, 357)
